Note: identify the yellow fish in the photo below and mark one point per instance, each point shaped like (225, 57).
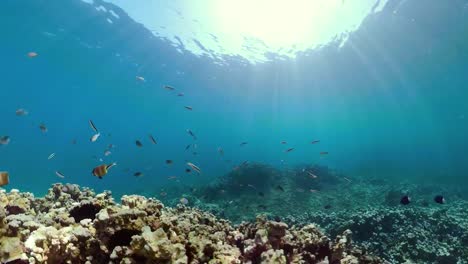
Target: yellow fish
(102, 170)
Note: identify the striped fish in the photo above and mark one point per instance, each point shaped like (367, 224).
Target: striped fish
(102, 170)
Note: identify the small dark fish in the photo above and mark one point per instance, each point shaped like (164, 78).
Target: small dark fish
(324, 153)
(277, 218)
(279, 188)
(22, 112)
(93, 127)
(168, 162)
(180, 94)
(195, 153)
(138, 174)
(439, 199)
(192, 189)
(261, 194)
(315, 142)
(188, 146)
(74, 142)
(43, 128)
(170, 88)
(188, 108)
(191, 134)
(152, 139)
(289, 149)
(220, 151)
(4, 140)
(261, 206)
(328, 206)
(138, 143)
(284, 142)
(243, 143)
(188, 170)
(405, 200)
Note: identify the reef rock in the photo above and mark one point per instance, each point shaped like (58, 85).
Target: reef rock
(74, 225)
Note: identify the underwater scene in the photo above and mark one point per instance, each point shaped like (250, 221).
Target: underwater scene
(217, 131)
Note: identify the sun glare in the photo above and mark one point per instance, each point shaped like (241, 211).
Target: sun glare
(250, 28)
(278, 24)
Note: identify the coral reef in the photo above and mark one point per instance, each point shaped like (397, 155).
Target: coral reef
(75, 225)
(402, 234)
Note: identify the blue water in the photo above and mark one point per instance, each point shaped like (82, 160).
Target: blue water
(391, 103)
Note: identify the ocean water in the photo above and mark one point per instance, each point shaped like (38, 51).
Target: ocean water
(390, 102)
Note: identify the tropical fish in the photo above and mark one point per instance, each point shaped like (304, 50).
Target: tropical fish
(279, 188)
(21, 112)
(93, 127)
(188, 170)
(188, 146)
(138, 143)
(311, 175)
(43, 128)
(313, 191)
(32, 54)
(439, 199)
(188, 107)
(138, 174)
(169, 87)
(163, 194)
(347, 179)
(51, 156)
(324, 153)
(243, 143)
(289, 149)
(107, 153)
(315, 142)
(95, 137)
(220, 151)
(405, 200)
(140, 78)
(172, 177)
(180, 94)
(59, 174)
(169, 162)
(102, 170)
(194, 167)
(251, 186)
(4, 178)
(152, 139)
(183, 201)
(284, 142)
(4, 140)
(191, 134)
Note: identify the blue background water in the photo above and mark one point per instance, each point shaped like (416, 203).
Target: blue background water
(391, 103)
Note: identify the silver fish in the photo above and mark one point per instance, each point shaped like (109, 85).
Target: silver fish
(95, 137)
(59, 174)
(194, 167)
